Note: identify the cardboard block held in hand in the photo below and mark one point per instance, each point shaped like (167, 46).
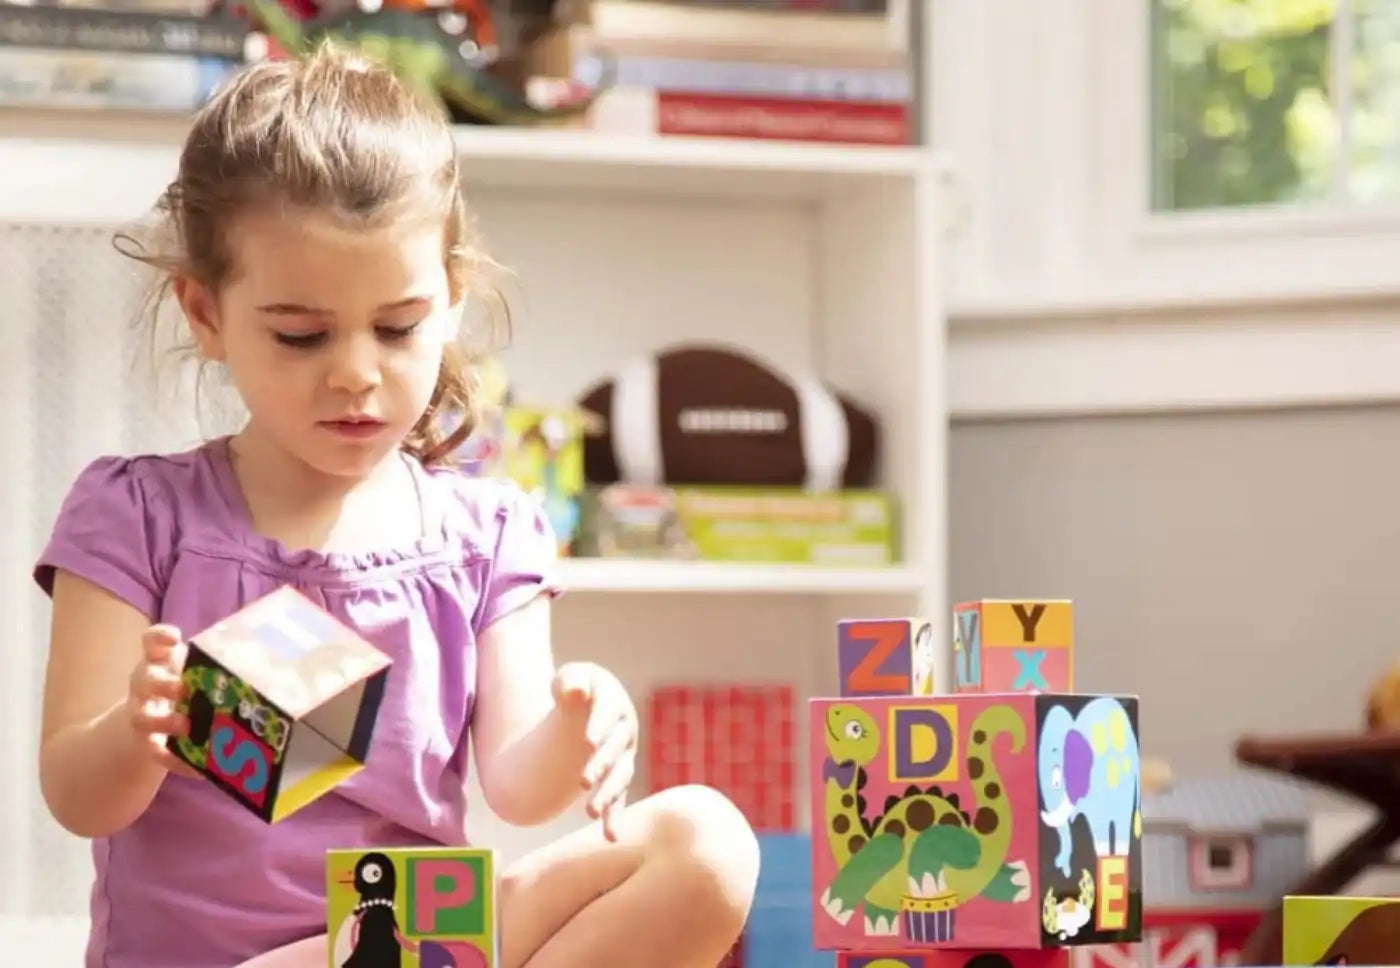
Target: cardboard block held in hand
(282, 700)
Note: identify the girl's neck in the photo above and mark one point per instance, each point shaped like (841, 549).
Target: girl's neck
(301, 508)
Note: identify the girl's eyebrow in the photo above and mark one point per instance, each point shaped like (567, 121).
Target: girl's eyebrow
(297, 309)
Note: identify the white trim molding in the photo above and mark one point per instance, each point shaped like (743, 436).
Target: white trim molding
(1266, 357)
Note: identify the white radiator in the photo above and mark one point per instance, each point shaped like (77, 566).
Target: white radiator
(76, 383)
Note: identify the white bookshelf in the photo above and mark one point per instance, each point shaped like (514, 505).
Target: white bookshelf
(823, 259)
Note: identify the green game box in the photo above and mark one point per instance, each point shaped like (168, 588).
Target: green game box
(854, 528)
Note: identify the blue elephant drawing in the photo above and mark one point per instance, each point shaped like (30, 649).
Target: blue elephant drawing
(1089, 766)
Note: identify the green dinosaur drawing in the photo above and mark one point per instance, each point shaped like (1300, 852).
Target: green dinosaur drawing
(418, 49)
(923, 844)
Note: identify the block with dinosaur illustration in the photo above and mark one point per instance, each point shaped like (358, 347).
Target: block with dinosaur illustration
(885, 657)
(955, 958)
(282, 700)
(980, 821)
(1006, 645)
(1341, 930)
(431, 907)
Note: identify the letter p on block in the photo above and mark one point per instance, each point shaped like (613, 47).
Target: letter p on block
(445, 896)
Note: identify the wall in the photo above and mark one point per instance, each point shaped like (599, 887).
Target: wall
(1236, 570)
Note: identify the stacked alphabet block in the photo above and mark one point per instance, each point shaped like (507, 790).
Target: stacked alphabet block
(992, 826)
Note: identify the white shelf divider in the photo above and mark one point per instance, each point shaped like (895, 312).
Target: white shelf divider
(717, 578)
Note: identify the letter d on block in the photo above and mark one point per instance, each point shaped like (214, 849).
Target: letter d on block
(442, 887)
(923, 744)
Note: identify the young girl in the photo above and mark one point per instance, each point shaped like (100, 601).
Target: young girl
(322, 257)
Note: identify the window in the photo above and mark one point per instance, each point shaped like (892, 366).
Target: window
(1259, 102)
(1221, 863)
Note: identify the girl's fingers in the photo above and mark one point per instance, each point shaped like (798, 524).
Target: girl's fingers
(158, 642)
(601, 722)
(613, 786)
(612, 813)
(153, 718)
(170, 761)
(609, 751)
(161, 683)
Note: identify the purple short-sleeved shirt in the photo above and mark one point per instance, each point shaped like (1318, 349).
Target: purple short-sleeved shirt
(198, 881)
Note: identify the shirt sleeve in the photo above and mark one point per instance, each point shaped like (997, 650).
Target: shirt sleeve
(525, 562)
(109, 532)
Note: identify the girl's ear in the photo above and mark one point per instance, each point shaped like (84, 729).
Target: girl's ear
(202, 312)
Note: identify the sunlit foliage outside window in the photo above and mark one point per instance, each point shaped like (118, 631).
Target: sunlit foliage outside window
(1246, 110)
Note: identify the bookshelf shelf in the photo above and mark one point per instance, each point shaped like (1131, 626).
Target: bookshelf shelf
(718, 578)
(78, 165)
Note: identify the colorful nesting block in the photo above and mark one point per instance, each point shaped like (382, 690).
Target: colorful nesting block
(885, 657)
(431, 907)
(1006, 821)
(1004, 645)
(282, 701)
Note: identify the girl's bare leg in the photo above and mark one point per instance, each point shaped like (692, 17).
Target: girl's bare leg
(310, 953)
(674, 890)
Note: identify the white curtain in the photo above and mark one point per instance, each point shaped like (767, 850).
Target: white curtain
(78, 381)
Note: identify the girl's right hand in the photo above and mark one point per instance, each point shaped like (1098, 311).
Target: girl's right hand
(155, 688)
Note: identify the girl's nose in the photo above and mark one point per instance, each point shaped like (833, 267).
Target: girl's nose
(355, 366)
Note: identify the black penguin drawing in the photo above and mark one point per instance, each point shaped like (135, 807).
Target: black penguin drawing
(376, 924)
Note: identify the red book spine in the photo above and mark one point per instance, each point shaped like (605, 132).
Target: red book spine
(776, 119)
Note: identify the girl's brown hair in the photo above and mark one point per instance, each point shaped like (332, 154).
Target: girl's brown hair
(330, 132)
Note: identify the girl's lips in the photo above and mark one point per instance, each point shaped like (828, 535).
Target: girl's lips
(354, 428)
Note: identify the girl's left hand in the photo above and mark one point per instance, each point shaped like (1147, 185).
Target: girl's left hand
(610, 729)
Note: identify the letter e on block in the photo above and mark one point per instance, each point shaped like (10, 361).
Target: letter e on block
(445, 896)
(886, 657)
(1111, 912)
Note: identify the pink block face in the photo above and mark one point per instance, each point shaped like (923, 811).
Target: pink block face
(1049, 958)
(1018, 669)
(924, 813)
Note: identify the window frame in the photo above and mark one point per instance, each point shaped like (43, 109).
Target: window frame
(1204, 878)
(1058, 222)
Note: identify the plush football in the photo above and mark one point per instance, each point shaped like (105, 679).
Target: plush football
(701, 414)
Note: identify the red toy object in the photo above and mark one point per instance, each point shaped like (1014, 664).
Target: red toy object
(1184, 939)
(741, 740)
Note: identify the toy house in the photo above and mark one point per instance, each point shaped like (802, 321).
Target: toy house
(1218, 851)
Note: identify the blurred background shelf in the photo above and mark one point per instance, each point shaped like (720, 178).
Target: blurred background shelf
(640, 575)
(77, 165)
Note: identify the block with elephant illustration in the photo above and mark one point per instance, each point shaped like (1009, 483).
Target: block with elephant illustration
(975, 821)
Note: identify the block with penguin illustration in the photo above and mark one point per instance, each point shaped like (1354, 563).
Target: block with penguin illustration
(1005, 822)
(432, 907)
(282, 700)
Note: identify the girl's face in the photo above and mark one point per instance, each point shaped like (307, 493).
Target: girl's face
(333, 337)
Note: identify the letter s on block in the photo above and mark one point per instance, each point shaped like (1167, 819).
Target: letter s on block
(239, 760)
(429, 900)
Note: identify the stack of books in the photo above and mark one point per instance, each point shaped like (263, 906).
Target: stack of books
(796, 70)
(148, 57)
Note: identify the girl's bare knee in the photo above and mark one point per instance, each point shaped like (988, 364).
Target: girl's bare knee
(710, 851)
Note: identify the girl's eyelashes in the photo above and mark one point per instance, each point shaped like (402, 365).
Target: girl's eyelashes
(399, 332)
(300, 340)
(309, 340)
